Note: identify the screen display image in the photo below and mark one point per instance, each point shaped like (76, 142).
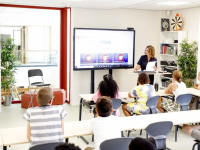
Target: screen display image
(105, 58)
(103, 49)
(88, 58)
(121, 58)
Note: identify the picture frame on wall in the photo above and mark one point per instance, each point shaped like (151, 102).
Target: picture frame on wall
(165, 25)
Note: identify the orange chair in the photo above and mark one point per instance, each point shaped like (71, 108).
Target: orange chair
(59, 98)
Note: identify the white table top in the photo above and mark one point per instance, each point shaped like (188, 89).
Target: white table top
(81, 128)
(178, 118)
(18, 135)
(88, 97)
(193, 91)
(13, 136)
(131, 72)
(1, 141)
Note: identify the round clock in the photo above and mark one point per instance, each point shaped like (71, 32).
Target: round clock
(165, 24)
(176, 23)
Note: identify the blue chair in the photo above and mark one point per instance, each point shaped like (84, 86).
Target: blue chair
(184, 101)
(116, 144)
(159, 132)
(152, 104)
(116, 104)
(47, 146)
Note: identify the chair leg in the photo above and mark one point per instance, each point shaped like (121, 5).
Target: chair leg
(193, 148)
(198, 146)
(146, 135)
(129, 131)
(176, 130)
(93, 138)
(122, 134)
(141, 132)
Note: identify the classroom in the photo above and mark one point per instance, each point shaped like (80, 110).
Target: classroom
(79, 46)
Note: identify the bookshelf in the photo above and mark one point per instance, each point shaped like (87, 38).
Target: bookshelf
(169, 53)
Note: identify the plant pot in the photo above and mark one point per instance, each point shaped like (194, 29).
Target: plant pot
(7, 100)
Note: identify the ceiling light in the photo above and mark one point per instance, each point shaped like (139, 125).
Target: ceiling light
(173, 3)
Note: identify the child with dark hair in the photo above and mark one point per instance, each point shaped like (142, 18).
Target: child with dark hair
(107, 87)
(66, 146)
(141, 144)
(105, 126)
(142, 92)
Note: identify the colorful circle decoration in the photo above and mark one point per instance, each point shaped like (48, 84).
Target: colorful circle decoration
(176, 23)
(105, 56)
(88, 58)
(120, 57)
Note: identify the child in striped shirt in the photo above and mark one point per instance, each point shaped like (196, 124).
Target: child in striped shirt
(45, 123)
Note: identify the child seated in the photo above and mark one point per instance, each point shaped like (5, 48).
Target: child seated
(107, 87)
(197, 85)
(45, 123)
(141, 144)
(192, 130)
(105, 126)
(142, 93)
(66, 146)
(177, 87)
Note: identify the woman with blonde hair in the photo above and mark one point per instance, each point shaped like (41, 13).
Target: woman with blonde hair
(177, 87)
(144, 59)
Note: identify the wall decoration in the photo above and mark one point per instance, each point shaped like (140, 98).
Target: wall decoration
(176, 23)
(165, 26)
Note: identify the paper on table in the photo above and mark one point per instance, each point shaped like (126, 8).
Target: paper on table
(150, 66)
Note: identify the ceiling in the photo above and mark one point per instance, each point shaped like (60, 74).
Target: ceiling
(106, 4)
(10, 16)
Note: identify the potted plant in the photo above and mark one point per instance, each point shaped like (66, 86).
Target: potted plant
(8, 61)
(187, 61)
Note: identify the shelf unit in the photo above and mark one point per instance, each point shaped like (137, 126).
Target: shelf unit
(167, 38)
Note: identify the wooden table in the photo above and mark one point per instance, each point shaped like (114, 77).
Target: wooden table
(14, 136)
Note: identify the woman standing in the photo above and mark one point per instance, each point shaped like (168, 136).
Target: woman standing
(144, 59)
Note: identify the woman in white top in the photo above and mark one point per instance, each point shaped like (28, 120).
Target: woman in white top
(177, 87)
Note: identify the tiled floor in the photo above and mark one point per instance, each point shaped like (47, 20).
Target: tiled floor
(12, 117)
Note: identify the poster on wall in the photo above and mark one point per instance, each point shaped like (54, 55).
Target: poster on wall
(165, 26)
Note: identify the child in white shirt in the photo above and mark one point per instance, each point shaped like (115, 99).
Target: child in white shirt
(105, 126)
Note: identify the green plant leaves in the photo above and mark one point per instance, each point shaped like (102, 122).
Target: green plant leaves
(187, 61)
(8, 61)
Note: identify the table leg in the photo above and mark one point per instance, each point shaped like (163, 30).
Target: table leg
(84, 139)
(66, 140)
(80, 109)
(4, 147)
(197, 102)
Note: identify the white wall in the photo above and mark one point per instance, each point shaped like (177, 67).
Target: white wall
(146, 26)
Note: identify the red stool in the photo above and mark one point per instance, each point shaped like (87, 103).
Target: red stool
(59, 98)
